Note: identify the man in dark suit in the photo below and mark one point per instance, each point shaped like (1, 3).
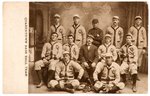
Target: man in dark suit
(88, 57)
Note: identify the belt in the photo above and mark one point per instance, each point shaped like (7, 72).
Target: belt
(107, 79)
(59, 39)
(78, 40)
(68, 76)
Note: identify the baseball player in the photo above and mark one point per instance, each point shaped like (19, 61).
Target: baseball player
(64, 74)
(116, 32)
(129, 55)
(59, 29)
(78, 31)
(51, 53)
(110, 76)
(107, 47)
(139, 38)
(72, 48)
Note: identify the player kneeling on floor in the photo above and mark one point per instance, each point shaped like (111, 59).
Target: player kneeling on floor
(64, 74)
(109, 73)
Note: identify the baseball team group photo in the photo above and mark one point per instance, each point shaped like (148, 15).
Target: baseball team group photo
(88, 47)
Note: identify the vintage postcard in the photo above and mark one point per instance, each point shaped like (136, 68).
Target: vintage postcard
(75, 47)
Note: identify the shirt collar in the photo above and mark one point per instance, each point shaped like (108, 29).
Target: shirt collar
(111, 66)
(57, 25)
(115, 27)
(128, 44)
(75, 26)
(107, 44)
(66, 63)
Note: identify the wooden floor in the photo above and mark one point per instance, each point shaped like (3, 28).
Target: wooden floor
(142, 87)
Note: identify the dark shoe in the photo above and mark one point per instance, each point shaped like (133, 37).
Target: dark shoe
(81, 87)
(134, 88)
(39, 85)
(70, 90)
(86, 89)
(92, 88)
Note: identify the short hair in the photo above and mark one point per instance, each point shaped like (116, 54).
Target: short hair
(54, 33)
(70, 36)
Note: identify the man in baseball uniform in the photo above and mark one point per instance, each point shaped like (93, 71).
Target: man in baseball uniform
(139, 38)
(129, 55)
(78, 31)
(51, 53)
(110, 76)
(116, 32)
(64, 75)
(72, 48)
(59, 29)
(107, 47)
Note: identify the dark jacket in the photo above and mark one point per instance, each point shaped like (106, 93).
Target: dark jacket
(98, 36)
(90, 55)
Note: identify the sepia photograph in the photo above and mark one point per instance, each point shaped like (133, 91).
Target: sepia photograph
(88, 47)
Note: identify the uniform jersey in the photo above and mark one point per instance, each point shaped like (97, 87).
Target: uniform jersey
(72, 49)
(51, 50)
(139, 36)
(104, 48)
(46, 51)
(60, 31)
(98, 36)
(117, 35)
(79, 34)
(108, 73)
(66, 70)
(129, 53)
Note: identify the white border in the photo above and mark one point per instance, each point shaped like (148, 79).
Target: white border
(1, 47)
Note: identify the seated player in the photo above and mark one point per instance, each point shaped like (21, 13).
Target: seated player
(129, 55)
(72, 48)
(109, 73)
(64, 74)
(51, 53)
(107, 47)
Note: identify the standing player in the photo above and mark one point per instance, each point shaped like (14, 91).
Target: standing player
(78, 31)
(59, 29)
(139, 38)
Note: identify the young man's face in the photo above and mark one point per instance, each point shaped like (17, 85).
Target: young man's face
(54, 37)
(57, 20)
(66, 57)
(107, 40)
(70, 39)
(89, 40)
(115, 21)
(138, 21)
(76, 20)
(128, 39)
(109, 60)
(95, 25)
